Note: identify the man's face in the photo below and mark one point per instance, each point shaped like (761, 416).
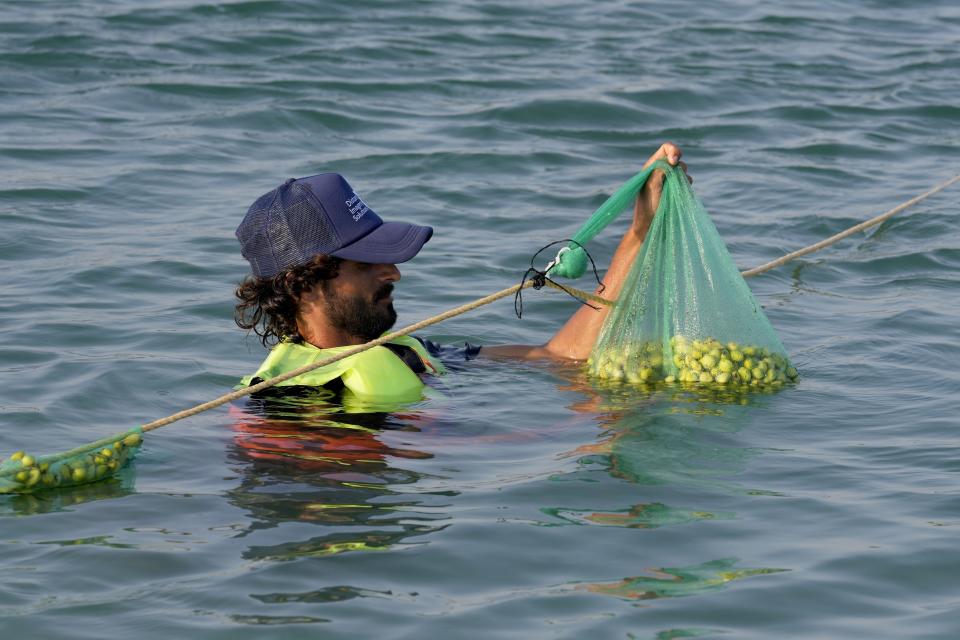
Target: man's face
(358, 301)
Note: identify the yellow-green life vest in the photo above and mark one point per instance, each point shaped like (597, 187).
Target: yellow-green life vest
(375, 374)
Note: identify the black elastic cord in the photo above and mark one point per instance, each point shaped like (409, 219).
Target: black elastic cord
(540, 278)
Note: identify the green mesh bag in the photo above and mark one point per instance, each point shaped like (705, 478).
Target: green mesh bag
(22, 473)
(685, 314)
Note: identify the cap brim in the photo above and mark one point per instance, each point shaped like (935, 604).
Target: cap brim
(390, 243)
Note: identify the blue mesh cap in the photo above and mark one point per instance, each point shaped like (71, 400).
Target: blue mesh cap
(321, 214)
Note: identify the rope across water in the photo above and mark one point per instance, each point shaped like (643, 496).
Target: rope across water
(85, 462)
(849, 232)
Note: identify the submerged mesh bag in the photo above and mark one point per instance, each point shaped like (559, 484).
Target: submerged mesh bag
(685, 314)
(22, 473)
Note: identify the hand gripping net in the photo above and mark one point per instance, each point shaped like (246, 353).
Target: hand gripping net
(685, 314)
(22, 473)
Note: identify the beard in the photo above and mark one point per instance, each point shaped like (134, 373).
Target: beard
(362, 317)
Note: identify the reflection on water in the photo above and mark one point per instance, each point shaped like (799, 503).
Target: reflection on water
(676, 582)
(673, 634)
(338, 593)
(98, 541)
(276, 620)
(639, 516)
(614, 393)
(303, 458)
(658, 583)
(660, 435)
(670, 435)
(62, 499)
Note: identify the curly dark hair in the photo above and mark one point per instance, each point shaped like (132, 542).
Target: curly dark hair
(268, 306)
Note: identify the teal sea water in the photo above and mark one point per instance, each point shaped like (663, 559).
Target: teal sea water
(520, 502)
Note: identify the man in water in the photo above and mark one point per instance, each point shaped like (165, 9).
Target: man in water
(324, 268)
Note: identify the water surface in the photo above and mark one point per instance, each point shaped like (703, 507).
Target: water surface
(519, 502)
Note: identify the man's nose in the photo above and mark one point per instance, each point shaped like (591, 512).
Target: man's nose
(389, 272)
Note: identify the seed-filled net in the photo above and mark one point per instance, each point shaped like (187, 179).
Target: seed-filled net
(684, 314)
(23, 473)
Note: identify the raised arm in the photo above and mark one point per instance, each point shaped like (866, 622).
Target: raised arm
(576, 337)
